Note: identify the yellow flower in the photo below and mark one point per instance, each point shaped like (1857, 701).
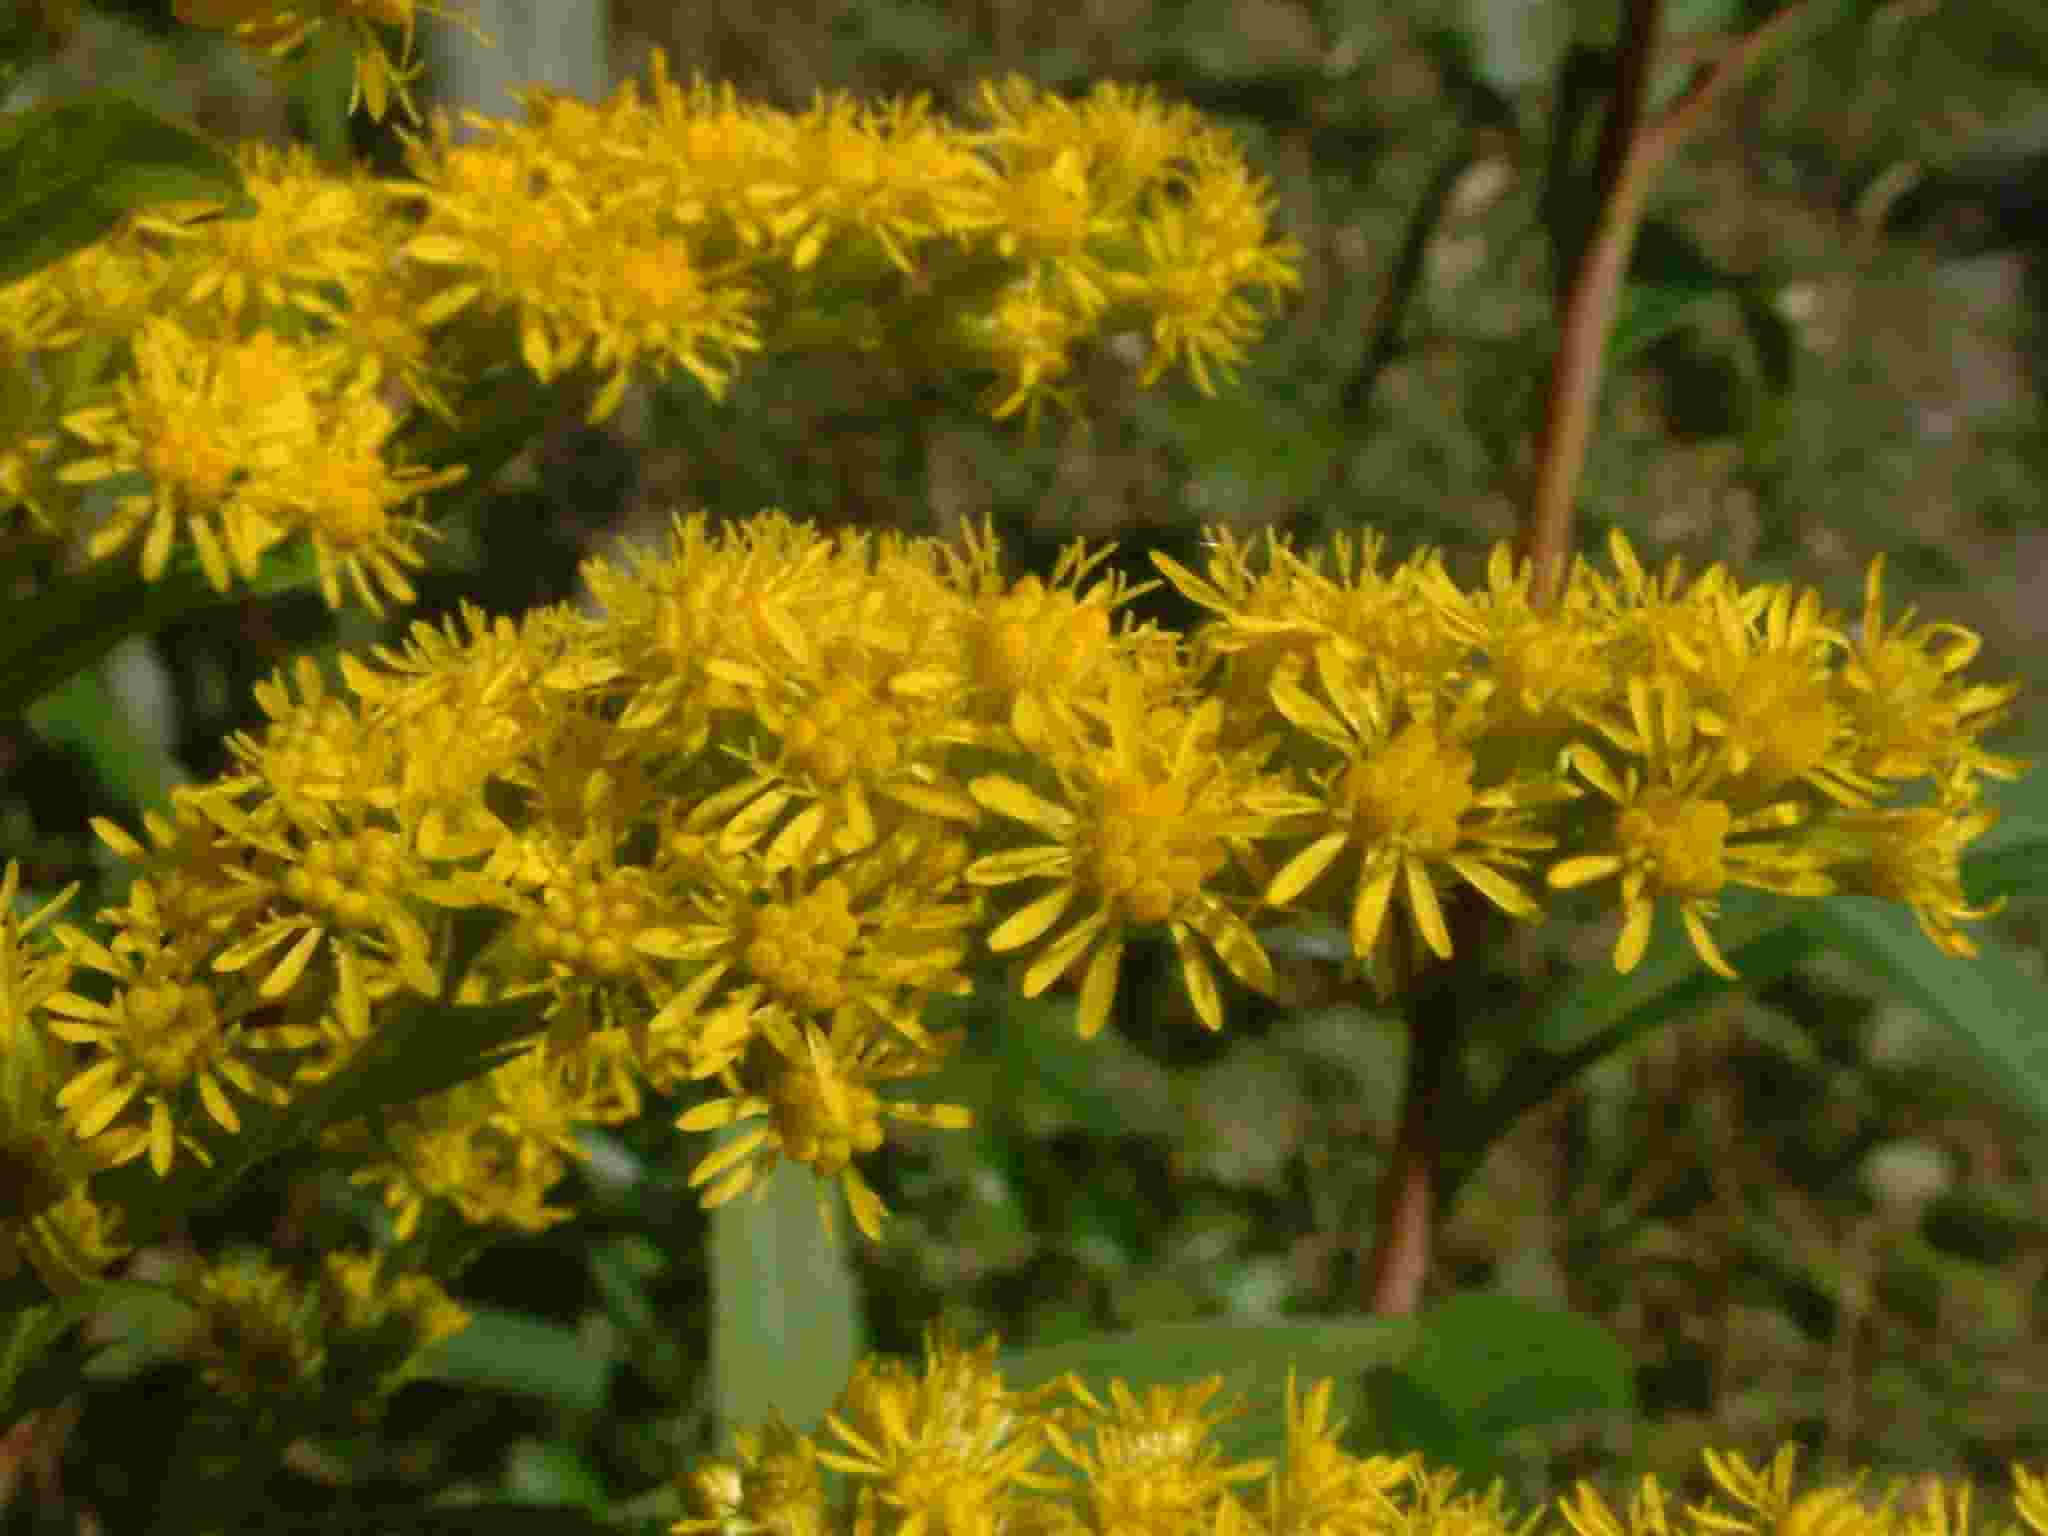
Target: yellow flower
(817, 1094)
(209, 422)
(1913, 716)
(161, 1038)
(1672, 837)
(944, 1451)
(772, 1488)
(1404, 803)
(1913, 855)
(1152, 1469)
(1150, 819)
(1320, 1489)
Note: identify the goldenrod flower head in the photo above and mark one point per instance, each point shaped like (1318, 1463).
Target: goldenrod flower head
(1319, 1488)
(1674, 827)
(1147, 817)
(1914, 716)
(817, 1094)
(1150, 1468)
(772, 1488)
(309, 228)
(280, 28)
(947, 1451)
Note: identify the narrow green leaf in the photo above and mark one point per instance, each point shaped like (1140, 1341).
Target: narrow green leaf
(512, 1352)
(786, 1328)
(1252, 1358)
(1993, 1006)
(70, 169)
(426, 1050)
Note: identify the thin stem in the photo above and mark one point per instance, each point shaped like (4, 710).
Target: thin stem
(1635, 146)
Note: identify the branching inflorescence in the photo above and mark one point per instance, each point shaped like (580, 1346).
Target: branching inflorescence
(738, 828)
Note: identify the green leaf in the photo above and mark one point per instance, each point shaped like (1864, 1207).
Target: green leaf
(1668, 277)
(1252, 1358)
(428, 1049)
(73, 622)
(785, 1324)
(85, 717)
(1991, 1003)
(504, 1351)
(69, 170)
(1488, 1367)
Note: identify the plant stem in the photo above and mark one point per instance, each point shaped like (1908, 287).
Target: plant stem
(1635, 146)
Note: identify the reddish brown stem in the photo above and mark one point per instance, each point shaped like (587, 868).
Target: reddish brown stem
(1635, 146)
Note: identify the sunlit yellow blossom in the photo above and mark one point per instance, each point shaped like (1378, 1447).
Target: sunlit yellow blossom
(1039, 648)
(1674, 830)
(46, 1217)
(946, 1451)
(1913, 856)
(209, 424)
(1913, 714)
(1146, 822)
(1319, 1488)
(309, 227)
(817, 1094)
(1404, 803)
(162, 1040)
(1152, 1469)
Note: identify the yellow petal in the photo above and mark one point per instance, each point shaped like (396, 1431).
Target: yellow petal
(1098, 989)
(1020, 864)
(1305, 868)
(1200, 981)
(1635, 936)
(1023, 927)
(1566, 873)
(1369, 913)
(1424, 908)
(1703, 943)
(287, 972)
(1061, 954)
(1006, 797)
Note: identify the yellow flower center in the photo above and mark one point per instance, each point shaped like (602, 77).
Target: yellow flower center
(1413, 791)
(844, 733)
(820, 1133)
(1150, 857)
(799, 950)
(1682, 840)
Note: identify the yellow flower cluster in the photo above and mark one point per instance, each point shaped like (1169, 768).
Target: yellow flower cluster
(234, 383)
(954, 1450)
(739, 826)
(1729, 736)
(280, 28)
